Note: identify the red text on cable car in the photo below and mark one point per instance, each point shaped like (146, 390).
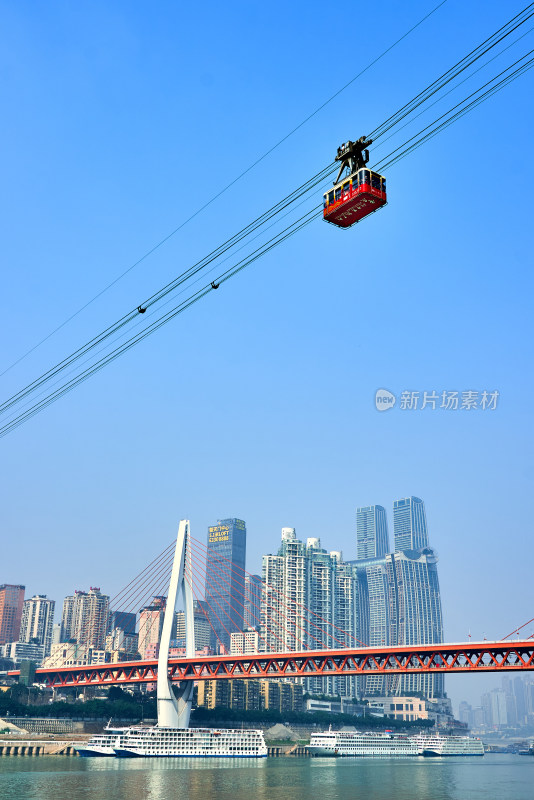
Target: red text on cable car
(360, 192)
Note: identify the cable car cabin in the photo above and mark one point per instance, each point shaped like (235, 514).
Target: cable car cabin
(354, 197)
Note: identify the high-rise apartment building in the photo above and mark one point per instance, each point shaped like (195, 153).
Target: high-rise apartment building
(371, 532)
(11, 600)
(409, 524)
(85, 618)
(310, 601)
(253, 586)
(225, 571)
(37, 621)
(150, 625)
(286, 578)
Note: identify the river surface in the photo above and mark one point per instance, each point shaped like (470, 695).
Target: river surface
(505, 777)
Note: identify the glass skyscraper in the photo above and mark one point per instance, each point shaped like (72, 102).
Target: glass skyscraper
(415, 613)
(225, 579)
(402, 603)
(371, 532)
(409, 524)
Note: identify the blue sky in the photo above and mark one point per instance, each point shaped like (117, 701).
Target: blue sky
(119, 121)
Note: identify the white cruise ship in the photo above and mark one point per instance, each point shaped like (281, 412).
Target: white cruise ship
(102, 744)
(191, 743)
(436, 745)
(362, 744)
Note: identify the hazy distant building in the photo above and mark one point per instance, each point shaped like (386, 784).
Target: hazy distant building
(371, 532)
(125, 620)
(225, 579)
(202, 626)
(11, 600)
(37, 621)
(494, 707)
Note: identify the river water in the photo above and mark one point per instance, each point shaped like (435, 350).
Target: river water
(505, 777)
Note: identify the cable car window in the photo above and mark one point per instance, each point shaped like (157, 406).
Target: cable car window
(346, 187)
(331, 197)
(338, 192)
(355, 181)
(383, 184)
(365, 176)
(324, 201)
(375, 180)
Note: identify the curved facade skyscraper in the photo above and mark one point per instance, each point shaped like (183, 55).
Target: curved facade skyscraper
(402, 597)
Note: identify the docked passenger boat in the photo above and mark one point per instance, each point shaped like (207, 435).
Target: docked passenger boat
(191, 743)
(437, 746)
(102, 744)
(362, 744)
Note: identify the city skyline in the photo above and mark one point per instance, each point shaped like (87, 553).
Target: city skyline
(378, 639)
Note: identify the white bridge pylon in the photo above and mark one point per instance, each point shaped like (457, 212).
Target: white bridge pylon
(174, 702)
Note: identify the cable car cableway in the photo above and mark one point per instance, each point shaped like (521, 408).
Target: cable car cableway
(357, 191)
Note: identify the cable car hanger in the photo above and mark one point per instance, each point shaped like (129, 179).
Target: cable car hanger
(353, 155)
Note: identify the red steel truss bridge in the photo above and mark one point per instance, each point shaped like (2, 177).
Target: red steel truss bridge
(444, 658)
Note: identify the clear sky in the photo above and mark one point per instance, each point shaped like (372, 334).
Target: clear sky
(119, 120)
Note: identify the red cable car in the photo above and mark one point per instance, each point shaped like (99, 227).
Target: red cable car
(360, 192)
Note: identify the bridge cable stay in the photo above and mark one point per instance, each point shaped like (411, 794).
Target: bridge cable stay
(516, 630)
(225, 189)
(286, 598)
(159, 579)
(301, 617)
(203, 610)
(229, 585)
(269, 631)
(119, 597)
(111, 357)
(225, 587)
